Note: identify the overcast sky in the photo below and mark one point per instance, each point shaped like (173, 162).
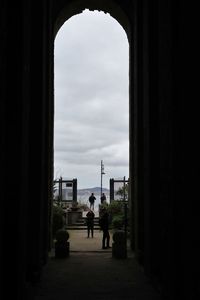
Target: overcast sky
(91, 121)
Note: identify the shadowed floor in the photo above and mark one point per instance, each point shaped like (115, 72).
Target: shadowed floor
(92, 273)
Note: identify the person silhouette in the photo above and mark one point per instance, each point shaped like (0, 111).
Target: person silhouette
(92, 198)
(104, 226)
(103, 198)
(90, 223)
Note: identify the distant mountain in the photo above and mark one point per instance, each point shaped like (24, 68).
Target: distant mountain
(94, 190)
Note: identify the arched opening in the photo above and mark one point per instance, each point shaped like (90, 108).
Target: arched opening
(165, 228)
(91, 70)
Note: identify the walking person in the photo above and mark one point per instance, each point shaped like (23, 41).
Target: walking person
(92, 198)
(104, 226)
(90, 223)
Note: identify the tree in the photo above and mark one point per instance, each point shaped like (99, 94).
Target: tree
(58, 219)
(56, 199)
(123, 192)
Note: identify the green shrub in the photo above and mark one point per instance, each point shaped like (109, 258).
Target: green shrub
(82, 206)
(116, 208)
(117, 222)
(58, 219)
(103, 205)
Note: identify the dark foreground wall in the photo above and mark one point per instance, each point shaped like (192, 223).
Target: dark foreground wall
(164, 230)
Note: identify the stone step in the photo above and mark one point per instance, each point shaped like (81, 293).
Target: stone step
(83, 219)
(81, 224)
(80, 221)
(83, 227)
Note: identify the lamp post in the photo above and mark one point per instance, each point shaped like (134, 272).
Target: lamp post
(102, 173)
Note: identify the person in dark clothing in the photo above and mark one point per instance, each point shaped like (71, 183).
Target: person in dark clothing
(92, 198)
(103, 198)
(90, 223)
(104, 226)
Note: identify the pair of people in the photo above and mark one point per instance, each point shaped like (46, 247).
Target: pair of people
(92, 199)
(104, 226)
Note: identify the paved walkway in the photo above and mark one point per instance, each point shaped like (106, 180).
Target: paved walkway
(91, 273)
(80, 242)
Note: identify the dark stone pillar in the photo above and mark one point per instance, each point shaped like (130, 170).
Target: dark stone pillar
(74, 190)
(112, 197)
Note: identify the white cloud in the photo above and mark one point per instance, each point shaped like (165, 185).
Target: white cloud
(91, 99)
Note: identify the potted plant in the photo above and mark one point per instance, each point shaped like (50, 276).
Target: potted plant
(119, 248)
(61, 243)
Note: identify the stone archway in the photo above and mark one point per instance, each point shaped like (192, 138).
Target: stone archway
(159, 161)
(77, 6)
